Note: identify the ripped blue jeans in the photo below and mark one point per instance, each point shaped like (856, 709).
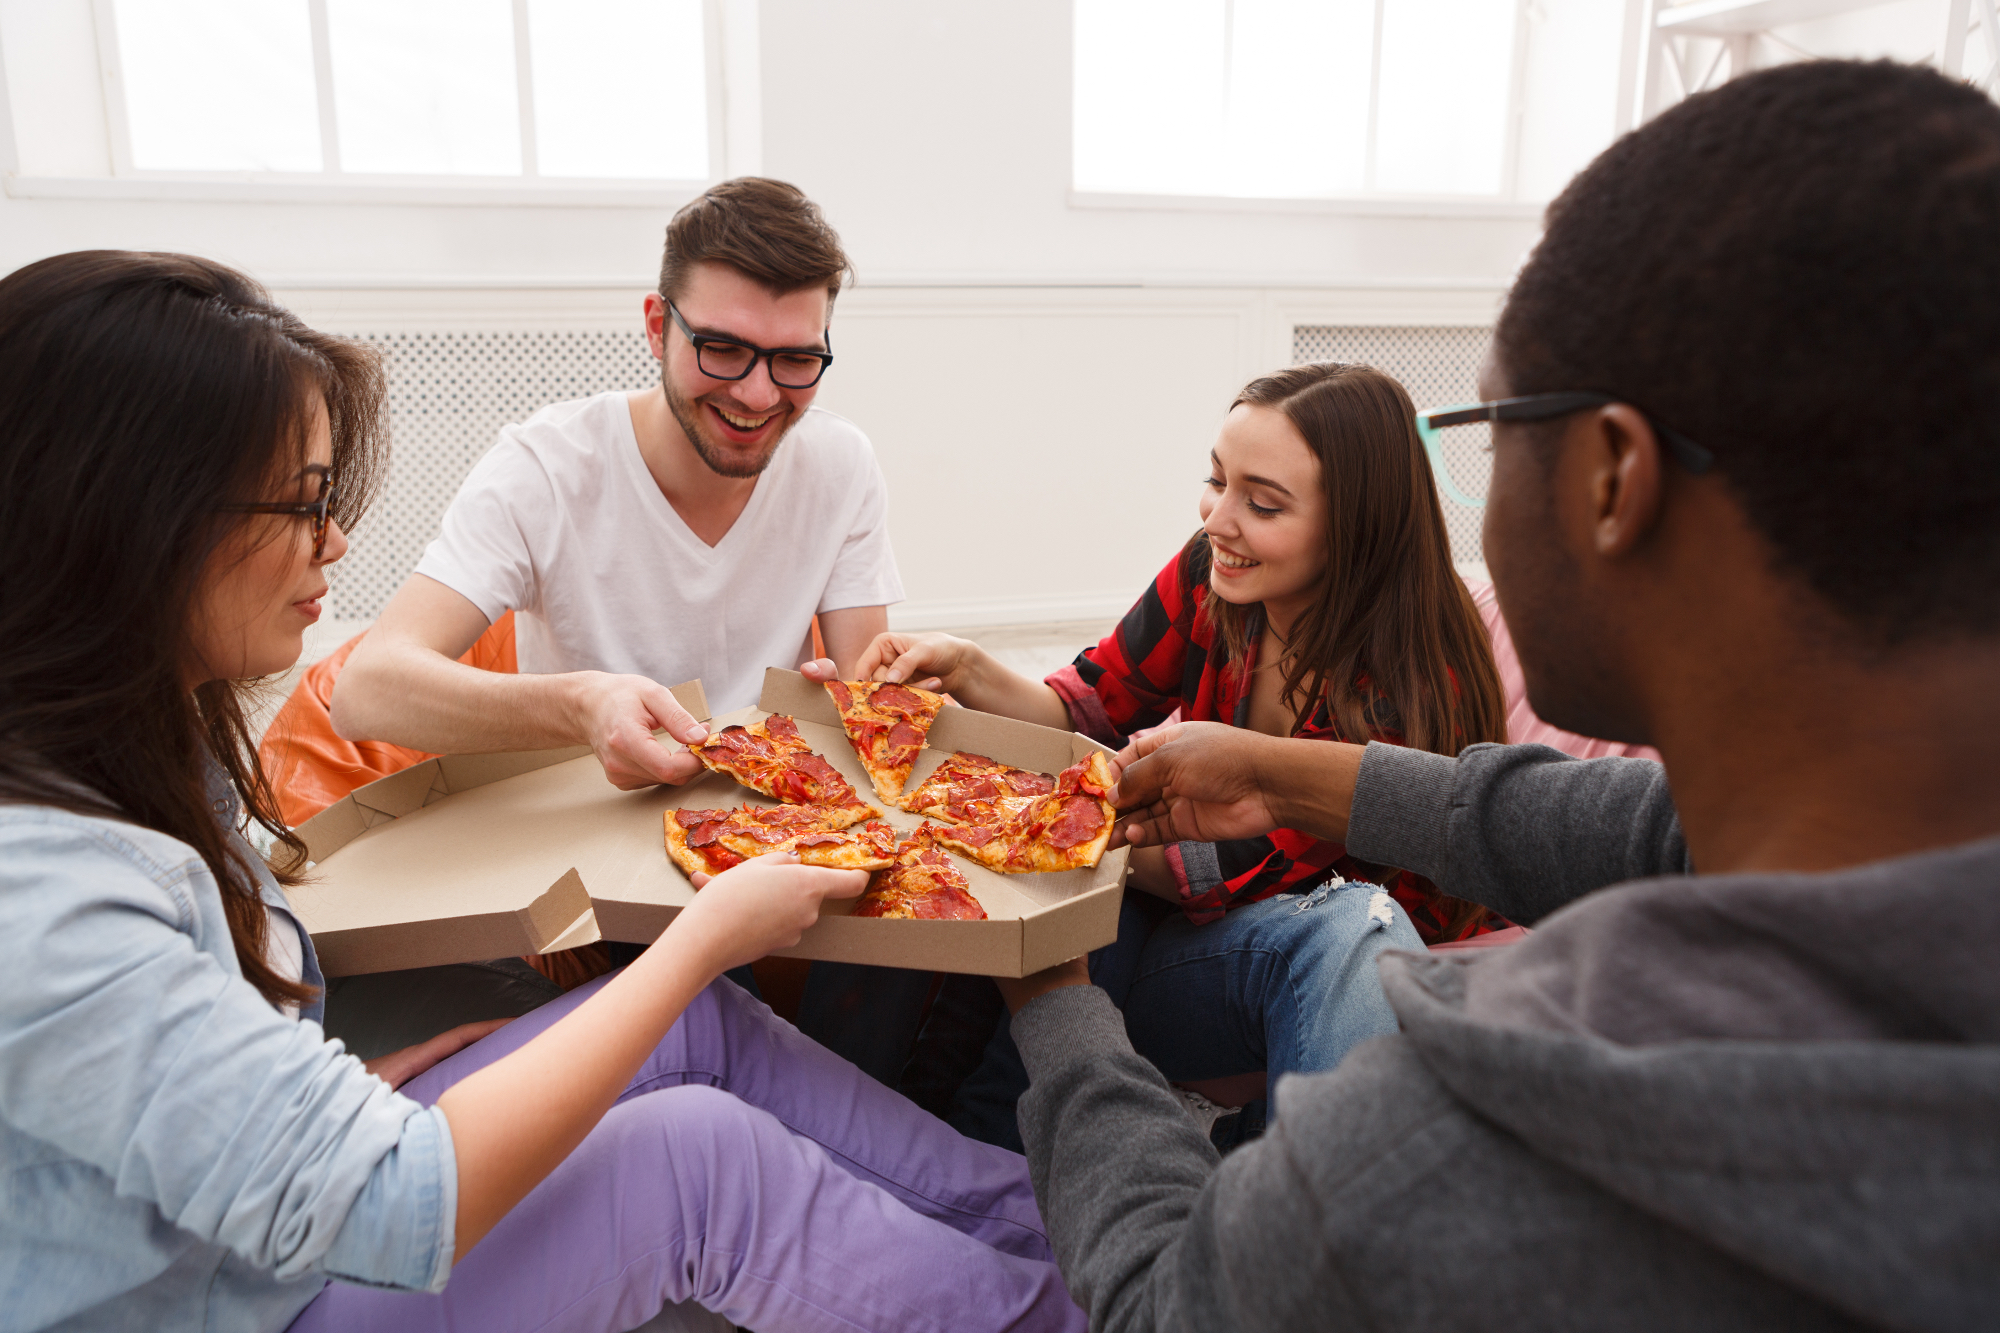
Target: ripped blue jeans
(1286, 985)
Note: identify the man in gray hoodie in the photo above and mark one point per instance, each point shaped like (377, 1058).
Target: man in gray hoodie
(1745, 1073)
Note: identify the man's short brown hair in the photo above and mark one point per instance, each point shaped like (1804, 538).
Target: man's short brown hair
(767, 230)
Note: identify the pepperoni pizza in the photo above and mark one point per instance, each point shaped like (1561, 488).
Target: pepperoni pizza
(771, 757)
(972, 789)
(708, 842)
(1063, 830)
(886, 724)
(923, 885)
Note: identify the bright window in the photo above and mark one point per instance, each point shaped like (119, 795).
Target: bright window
(490, 89)
(1303, 99)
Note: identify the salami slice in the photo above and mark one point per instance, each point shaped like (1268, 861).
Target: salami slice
(1080, 819)
(897, 699)
(1023, 783)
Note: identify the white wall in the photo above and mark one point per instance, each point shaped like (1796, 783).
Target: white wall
(1023, 364)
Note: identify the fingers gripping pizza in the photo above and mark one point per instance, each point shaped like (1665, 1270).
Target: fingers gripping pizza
(972, 789)
(771, 757)
(887, 725)
(708, 842)
(1064, 830)
(923, 885)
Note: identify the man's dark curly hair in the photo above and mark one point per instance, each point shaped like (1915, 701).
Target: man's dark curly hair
(1801, 270)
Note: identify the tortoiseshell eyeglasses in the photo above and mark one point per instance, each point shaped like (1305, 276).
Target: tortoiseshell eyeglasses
(315, 509)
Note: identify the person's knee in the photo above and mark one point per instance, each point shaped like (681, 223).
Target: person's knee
(692, 1134)
(1333, 922)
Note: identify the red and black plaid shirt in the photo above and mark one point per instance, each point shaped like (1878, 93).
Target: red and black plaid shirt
(1166, 655)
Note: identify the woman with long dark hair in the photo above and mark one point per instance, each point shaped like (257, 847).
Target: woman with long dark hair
(1318, 600)
(181, 1147)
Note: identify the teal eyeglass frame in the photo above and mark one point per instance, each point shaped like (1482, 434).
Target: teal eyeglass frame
(1432, 421)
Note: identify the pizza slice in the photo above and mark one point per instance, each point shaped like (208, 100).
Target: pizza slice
(771, 757)
(886, 724)
(708, 842)
(1064, 830)
(972, 789)
(923, 885)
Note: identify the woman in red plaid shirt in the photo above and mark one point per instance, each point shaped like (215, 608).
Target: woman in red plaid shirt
(1318, 600)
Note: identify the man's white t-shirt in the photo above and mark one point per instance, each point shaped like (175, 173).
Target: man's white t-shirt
(562, 524)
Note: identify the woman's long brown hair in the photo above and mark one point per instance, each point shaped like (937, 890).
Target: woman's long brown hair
(1391, 609)
(139, 395)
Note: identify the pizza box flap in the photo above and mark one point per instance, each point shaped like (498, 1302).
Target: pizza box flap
(404, 877)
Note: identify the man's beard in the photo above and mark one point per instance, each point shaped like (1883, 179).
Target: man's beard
(688, 416)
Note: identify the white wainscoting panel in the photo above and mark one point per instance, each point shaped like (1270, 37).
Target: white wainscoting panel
(450, 392)
(1439, 365)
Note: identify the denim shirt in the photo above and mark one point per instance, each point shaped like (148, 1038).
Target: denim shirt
(175, 1153)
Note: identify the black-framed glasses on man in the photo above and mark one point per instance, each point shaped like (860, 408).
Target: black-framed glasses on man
(1432, 421)
(316, 509)
(729, 359)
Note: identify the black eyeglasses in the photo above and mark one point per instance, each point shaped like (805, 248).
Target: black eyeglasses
(728, 359)
(1541, 407)
(316, 510)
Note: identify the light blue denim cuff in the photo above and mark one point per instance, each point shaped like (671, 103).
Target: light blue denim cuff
(401, 1231)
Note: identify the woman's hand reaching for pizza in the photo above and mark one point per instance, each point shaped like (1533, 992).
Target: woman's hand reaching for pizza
(966, 672)
(757, 908)
(932, 661)
(1207, 782)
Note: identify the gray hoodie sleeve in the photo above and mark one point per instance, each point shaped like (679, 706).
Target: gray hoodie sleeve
(1148, 1232)
(1523, 829)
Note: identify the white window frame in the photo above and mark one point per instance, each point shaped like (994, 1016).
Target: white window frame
(1507, 204)
(734, 138)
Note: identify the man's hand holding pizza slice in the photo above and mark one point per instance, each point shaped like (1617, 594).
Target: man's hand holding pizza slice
(1208, 782)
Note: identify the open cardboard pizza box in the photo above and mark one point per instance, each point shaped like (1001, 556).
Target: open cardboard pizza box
(468, 857)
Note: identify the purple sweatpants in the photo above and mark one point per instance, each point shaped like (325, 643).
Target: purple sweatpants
(751, 1170)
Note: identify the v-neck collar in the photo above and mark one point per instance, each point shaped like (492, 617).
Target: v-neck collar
(663, 509)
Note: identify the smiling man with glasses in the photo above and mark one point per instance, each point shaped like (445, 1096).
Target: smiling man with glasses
(691, 529)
